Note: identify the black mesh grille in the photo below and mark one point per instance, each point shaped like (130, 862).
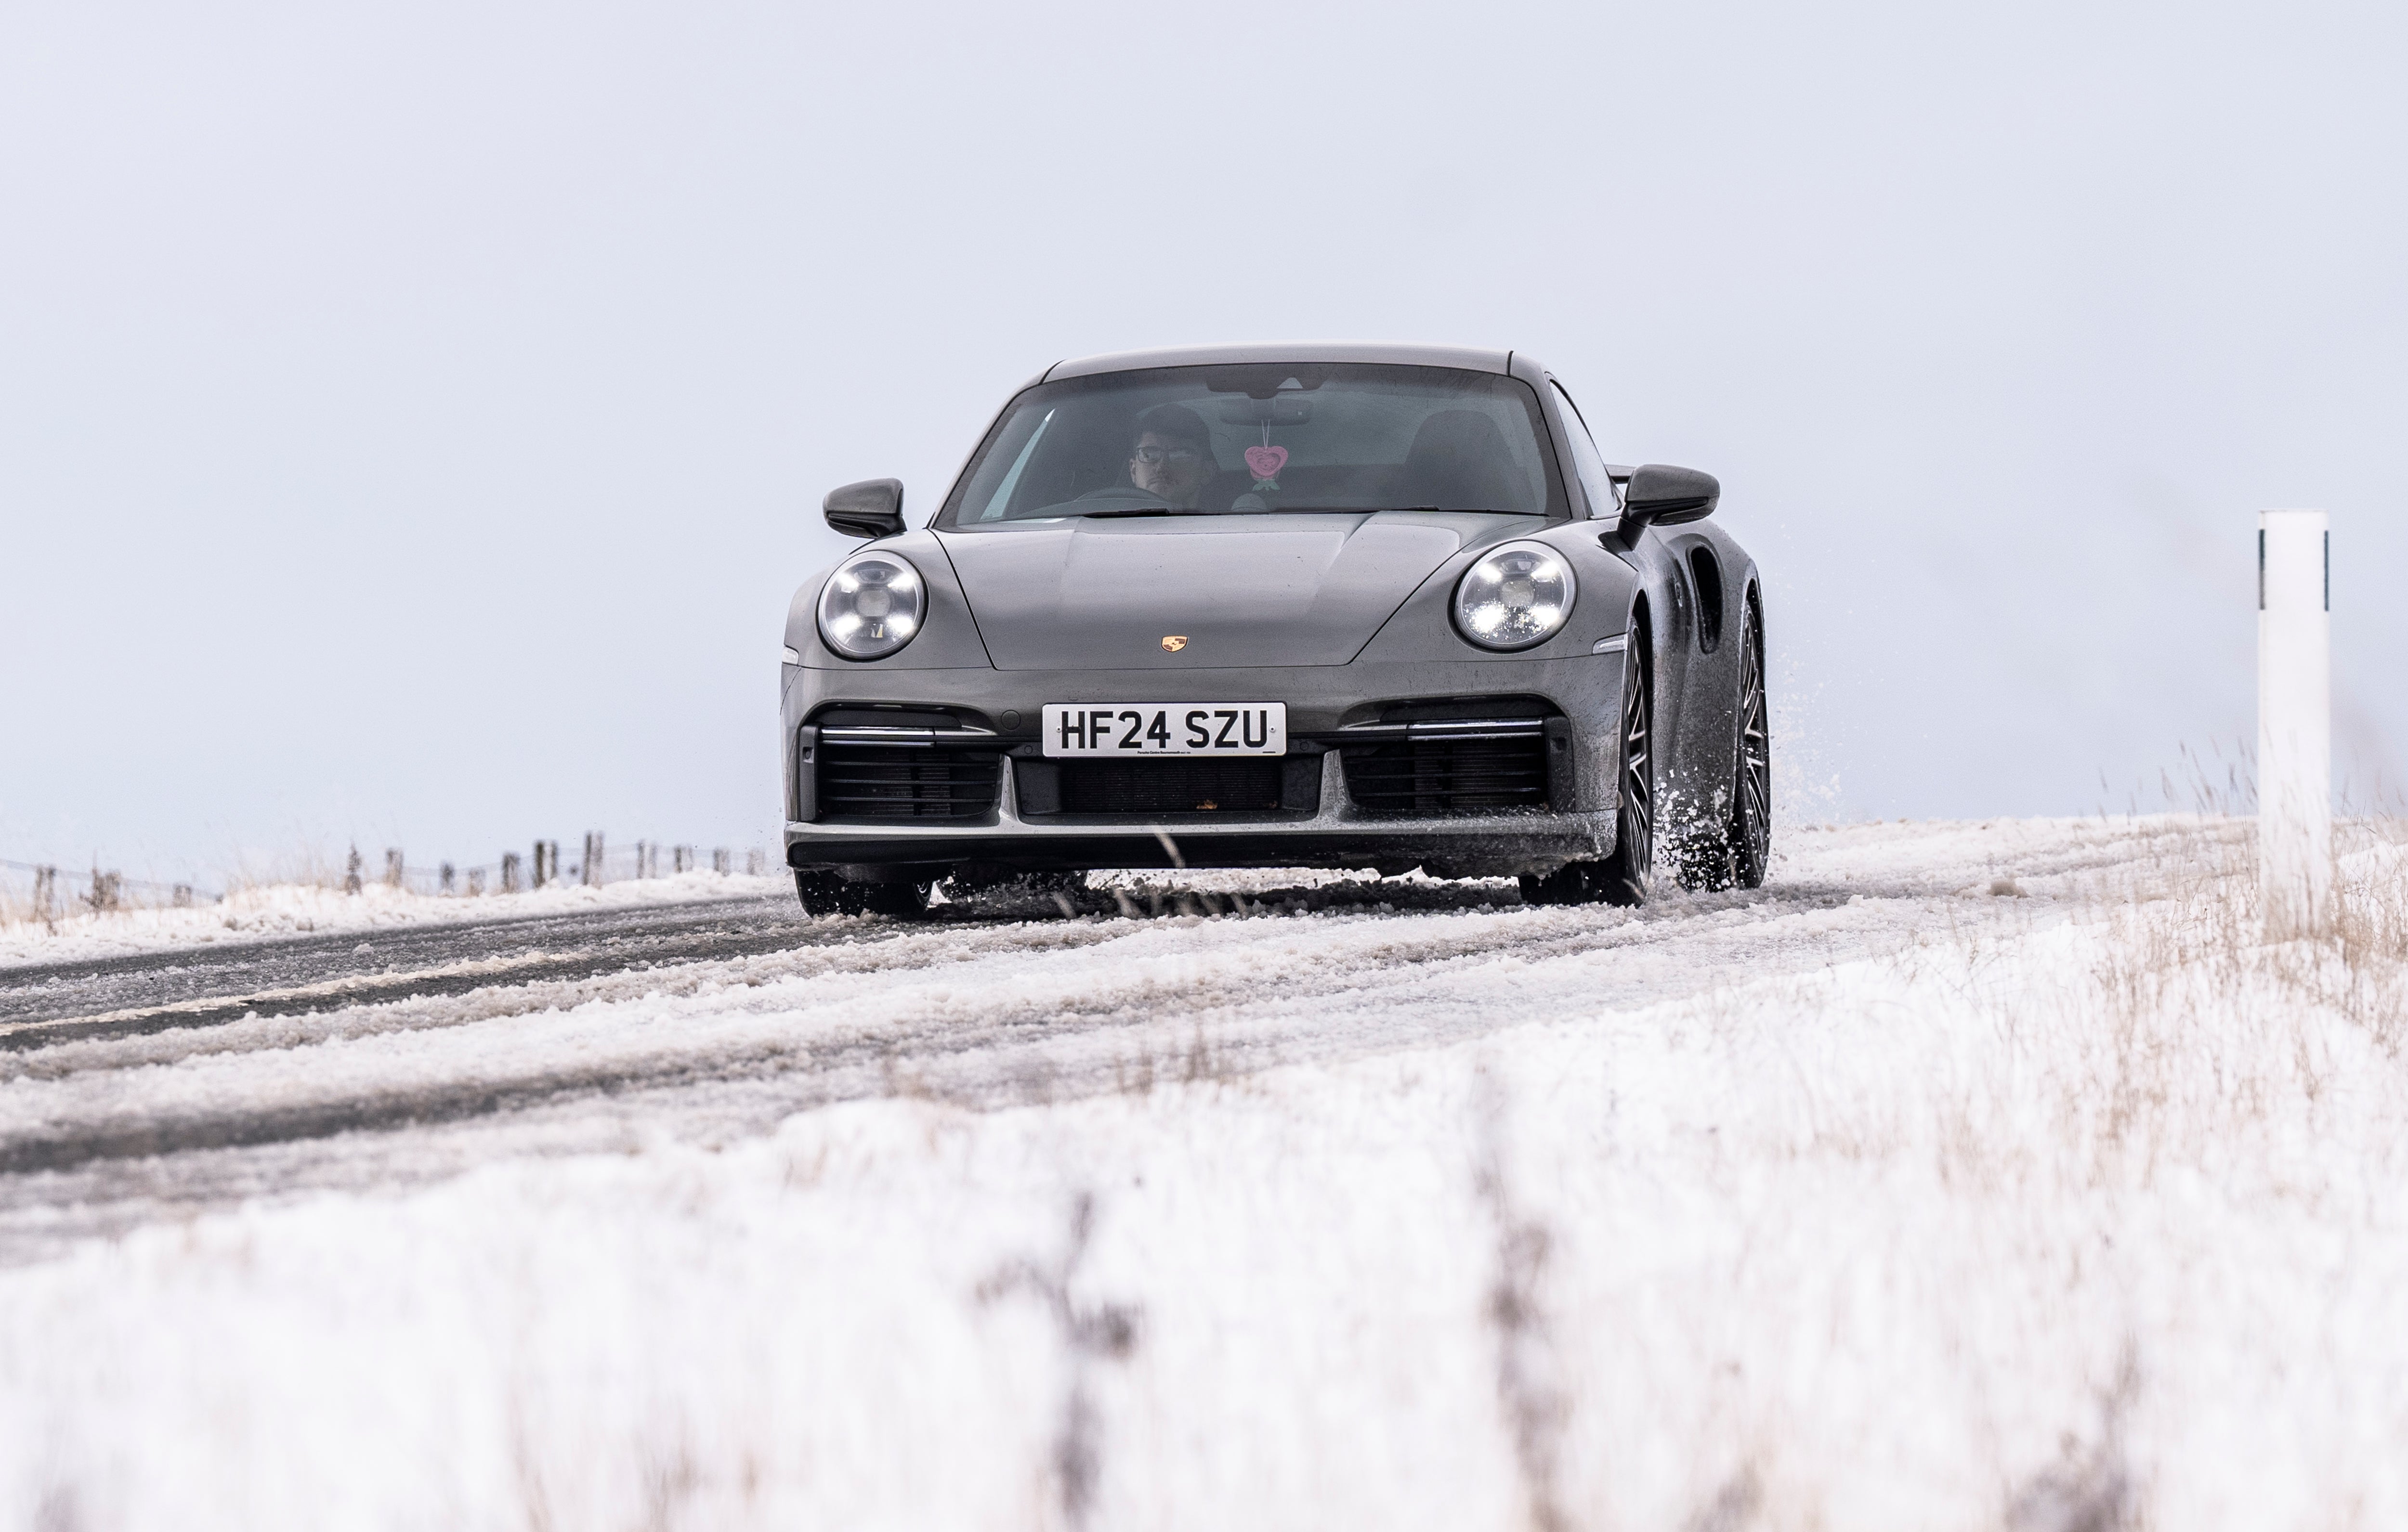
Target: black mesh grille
(890, 781)
(1199, 784)
(1432, 777)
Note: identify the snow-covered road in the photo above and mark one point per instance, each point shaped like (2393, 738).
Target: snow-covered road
(142, 1085)
(1967, 1175)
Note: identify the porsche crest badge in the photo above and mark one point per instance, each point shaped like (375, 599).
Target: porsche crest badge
(1174, 642)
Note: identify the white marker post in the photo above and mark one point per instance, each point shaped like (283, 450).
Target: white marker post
(2294, 721)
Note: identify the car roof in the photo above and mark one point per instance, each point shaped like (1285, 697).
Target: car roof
(1396, 354)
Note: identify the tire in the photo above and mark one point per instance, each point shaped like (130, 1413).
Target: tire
(1623, 877)
(1751, 825)
(1627, 876)
(1732, 852)
(825, 894)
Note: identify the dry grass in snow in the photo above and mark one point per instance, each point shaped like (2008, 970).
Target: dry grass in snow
(2037, 1223)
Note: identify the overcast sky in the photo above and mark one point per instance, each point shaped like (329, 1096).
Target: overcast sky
(412, 424)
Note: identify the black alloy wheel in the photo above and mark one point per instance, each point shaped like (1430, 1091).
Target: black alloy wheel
(1751, 827)
(1627, 876)
(1623, 877)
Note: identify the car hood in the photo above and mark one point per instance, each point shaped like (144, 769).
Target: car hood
(1306, 589)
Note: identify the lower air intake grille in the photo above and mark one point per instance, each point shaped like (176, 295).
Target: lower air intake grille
(1432, 777)
(877, 783)
(1201, 784)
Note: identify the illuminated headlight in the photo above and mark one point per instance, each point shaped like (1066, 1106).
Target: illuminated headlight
(872, 606)
(1517, 595)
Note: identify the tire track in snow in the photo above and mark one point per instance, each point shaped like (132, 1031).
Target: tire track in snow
(149, 992)
(922, 1002)
(987, 1015)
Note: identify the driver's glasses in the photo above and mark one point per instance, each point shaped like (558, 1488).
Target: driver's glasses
(1183, 456)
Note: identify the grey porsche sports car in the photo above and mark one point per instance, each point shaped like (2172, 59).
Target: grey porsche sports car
(1315, 605)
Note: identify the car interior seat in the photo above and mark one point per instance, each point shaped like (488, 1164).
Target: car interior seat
(1458, 460)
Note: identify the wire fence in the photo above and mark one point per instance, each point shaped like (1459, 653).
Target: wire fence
(56, 892)
(45, 891)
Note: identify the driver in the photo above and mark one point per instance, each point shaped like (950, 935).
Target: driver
(1171, 457)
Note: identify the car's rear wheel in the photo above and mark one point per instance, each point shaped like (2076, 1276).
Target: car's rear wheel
(1627, 876)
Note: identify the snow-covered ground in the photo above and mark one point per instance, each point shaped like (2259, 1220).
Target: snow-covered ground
(271, 911)
(1968, 1176)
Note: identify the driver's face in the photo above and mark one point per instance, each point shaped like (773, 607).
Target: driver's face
(1171, 470)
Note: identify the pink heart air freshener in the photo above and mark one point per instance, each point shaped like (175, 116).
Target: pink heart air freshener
(1266, 460)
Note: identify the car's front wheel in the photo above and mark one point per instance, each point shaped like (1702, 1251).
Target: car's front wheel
(1751, 830)
(1625, 877)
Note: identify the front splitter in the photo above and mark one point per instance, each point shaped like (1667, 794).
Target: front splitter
(1456, 849)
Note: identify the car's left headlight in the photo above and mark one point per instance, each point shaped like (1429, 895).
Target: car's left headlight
(872, 606)
(1518, 594)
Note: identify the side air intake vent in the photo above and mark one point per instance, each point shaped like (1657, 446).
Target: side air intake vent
(1484, 766)
(873, 784)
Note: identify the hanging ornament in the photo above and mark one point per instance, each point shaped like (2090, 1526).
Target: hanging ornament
(1265, 461)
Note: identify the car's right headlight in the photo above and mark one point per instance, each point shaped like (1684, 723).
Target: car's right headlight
(1518, 594)
(872, 606)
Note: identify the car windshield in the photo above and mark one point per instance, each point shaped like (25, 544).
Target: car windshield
(1258, 438)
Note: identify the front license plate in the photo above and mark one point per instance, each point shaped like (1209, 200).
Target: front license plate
(1167, 728)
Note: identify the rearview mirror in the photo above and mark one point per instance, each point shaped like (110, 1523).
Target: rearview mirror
(1662, 496)
(871, 508)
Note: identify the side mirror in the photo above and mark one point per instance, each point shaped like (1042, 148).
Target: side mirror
(1661, 496)
(871, 508)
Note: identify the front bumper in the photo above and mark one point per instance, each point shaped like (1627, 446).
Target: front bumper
(1329, 709)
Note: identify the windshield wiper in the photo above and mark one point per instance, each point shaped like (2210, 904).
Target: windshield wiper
(1374, 510)
(1119, 511)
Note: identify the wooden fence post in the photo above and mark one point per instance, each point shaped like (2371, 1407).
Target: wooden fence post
(509, 872)
(392, 867)
(351, 872)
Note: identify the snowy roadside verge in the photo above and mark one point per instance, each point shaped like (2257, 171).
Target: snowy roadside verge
(273, 911)
(2093, 1224)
